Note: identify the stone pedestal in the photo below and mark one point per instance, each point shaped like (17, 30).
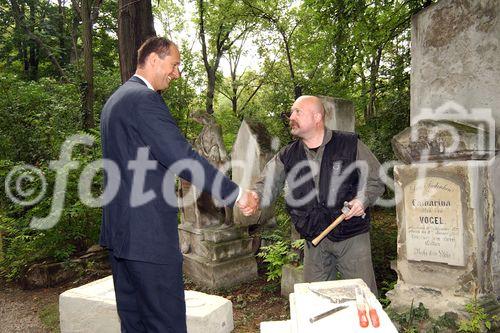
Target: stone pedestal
(92, 308)
(217, 257)
(445, 234)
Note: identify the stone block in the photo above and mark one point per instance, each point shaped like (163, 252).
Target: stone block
(198, 208)
(495, 248)
(195, 241)
(225, 250)
(208, 313)
(223, 274)
(290, 275)
(454, 57)
(275, 326)
(92, 308)
(89, 308)
(443, 140)
(339, 113)
(214, 234)
(218, 235)
(293, 313)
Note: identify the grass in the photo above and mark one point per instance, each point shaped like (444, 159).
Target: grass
(50, 317)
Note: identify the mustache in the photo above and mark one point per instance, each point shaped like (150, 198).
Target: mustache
(293, 123)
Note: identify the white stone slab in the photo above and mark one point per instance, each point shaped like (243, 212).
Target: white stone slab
(309, 304)
(293, 314)
(275, 326)
(92, 308)
(89, 308)
(208, 313)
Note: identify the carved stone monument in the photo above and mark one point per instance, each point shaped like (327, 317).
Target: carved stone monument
(216, 252)
(252, 149)
(447, 192)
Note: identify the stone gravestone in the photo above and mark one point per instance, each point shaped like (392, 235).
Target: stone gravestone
(252, 149)
(446, 193)
(216, 252)
(339, 113)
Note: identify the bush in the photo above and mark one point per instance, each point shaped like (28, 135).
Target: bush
(78, 226)
(35, 118)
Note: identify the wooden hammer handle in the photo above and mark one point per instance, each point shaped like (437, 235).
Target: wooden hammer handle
(328, 229)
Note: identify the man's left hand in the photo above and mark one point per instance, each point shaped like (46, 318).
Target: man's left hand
(355, 209)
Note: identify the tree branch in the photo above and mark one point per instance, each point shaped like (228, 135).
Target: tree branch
(19, 18)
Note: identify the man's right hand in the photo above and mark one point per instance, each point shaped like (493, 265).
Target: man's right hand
(248, 203)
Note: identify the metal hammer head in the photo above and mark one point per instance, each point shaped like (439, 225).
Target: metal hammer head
(345, 209)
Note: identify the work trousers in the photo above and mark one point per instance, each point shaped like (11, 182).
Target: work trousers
(149, 297)
(351, 258)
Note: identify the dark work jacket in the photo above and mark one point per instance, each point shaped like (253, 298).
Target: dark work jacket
(312, 216)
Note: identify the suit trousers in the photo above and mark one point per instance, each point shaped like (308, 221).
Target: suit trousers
(149, 296)
(351, 258)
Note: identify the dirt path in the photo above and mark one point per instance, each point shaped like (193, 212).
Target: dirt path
(20, 309)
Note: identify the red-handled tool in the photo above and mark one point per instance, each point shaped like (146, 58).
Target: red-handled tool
(372, 311)
(360, 304)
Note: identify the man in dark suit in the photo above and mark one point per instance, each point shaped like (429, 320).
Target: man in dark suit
(139, 224)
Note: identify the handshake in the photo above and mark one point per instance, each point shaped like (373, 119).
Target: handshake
(248, 203)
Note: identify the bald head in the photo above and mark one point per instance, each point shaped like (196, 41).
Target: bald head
(312, 103)
(307, 117)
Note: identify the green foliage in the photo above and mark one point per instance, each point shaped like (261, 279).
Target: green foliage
(77, 229)
(417, 320)
(282, 250)
(35, 118)
(276, 255)
(409, 320)
(479, 320)
(385, 287)
(383, 235)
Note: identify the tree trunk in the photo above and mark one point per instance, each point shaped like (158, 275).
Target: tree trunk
(33, 50)
(135, 25)
(209, 102)
(62, 36)
(374, 67)
(24, 54)
(19, 18)
(234, 90)
(297, 88)
(88, 83)
(74, 39)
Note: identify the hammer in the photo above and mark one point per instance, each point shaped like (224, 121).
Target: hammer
(335, 223)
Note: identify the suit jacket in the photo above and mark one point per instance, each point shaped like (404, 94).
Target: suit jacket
(136, 117)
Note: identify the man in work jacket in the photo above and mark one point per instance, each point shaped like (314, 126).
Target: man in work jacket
(323, 169)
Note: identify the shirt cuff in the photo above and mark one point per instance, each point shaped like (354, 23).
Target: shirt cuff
(240, 193)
